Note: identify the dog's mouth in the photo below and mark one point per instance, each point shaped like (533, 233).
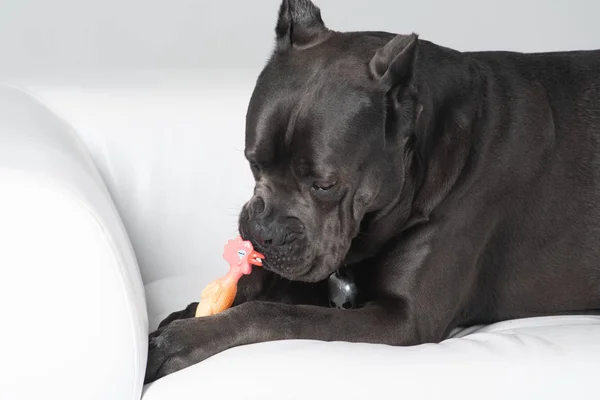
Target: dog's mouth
(298, 262)
(302, 269)
(286, 266)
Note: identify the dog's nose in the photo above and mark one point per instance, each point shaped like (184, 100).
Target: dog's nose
(257, 205)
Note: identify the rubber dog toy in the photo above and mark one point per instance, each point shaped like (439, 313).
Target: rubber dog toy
(219, 295)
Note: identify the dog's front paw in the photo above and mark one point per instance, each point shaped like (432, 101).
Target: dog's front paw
(188, 312)
(180, 344)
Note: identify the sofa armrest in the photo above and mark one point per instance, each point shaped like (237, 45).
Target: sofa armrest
(74, 320)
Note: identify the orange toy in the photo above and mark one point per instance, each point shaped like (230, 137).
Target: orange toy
(218, 295)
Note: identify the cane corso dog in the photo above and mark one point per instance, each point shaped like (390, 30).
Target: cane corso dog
(456, 188)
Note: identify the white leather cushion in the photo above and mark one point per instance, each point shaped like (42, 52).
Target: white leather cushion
(537, 358)
(71, 295)
(169, 145)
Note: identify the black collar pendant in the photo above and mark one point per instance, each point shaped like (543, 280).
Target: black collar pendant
(343, 292)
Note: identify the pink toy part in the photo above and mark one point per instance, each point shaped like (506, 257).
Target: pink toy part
(240, 254)
(220, 294)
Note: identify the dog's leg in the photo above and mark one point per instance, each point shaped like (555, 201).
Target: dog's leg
(187, 342)
(188, 312)
(419, 302)
(266, 286)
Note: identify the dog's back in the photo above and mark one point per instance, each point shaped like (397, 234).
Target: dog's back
(543, 137)
(571, 80)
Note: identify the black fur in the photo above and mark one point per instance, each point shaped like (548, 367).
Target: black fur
(460, 188)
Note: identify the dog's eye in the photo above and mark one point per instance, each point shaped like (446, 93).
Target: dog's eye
(323, 186)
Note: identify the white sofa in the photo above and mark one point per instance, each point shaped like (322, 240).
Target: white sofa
(117, 193)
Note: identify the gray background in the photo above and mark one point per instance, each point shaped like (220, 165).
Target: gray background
(42, 36)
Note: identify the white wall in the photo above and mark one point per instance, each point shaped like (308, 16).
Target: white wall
(58, 35)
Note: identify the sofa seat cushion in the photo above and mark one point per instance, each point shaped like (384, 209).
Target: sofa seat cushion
(533, 358)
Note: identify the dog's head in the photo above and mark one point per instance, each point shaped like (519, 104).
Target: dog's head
(326, 137)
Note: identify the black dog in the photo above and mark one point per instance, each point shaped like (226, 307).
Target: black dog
(459, 188)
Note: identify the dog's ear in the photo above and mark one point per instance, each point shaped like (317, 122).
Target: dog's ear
(299, 24)
(393, 63)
